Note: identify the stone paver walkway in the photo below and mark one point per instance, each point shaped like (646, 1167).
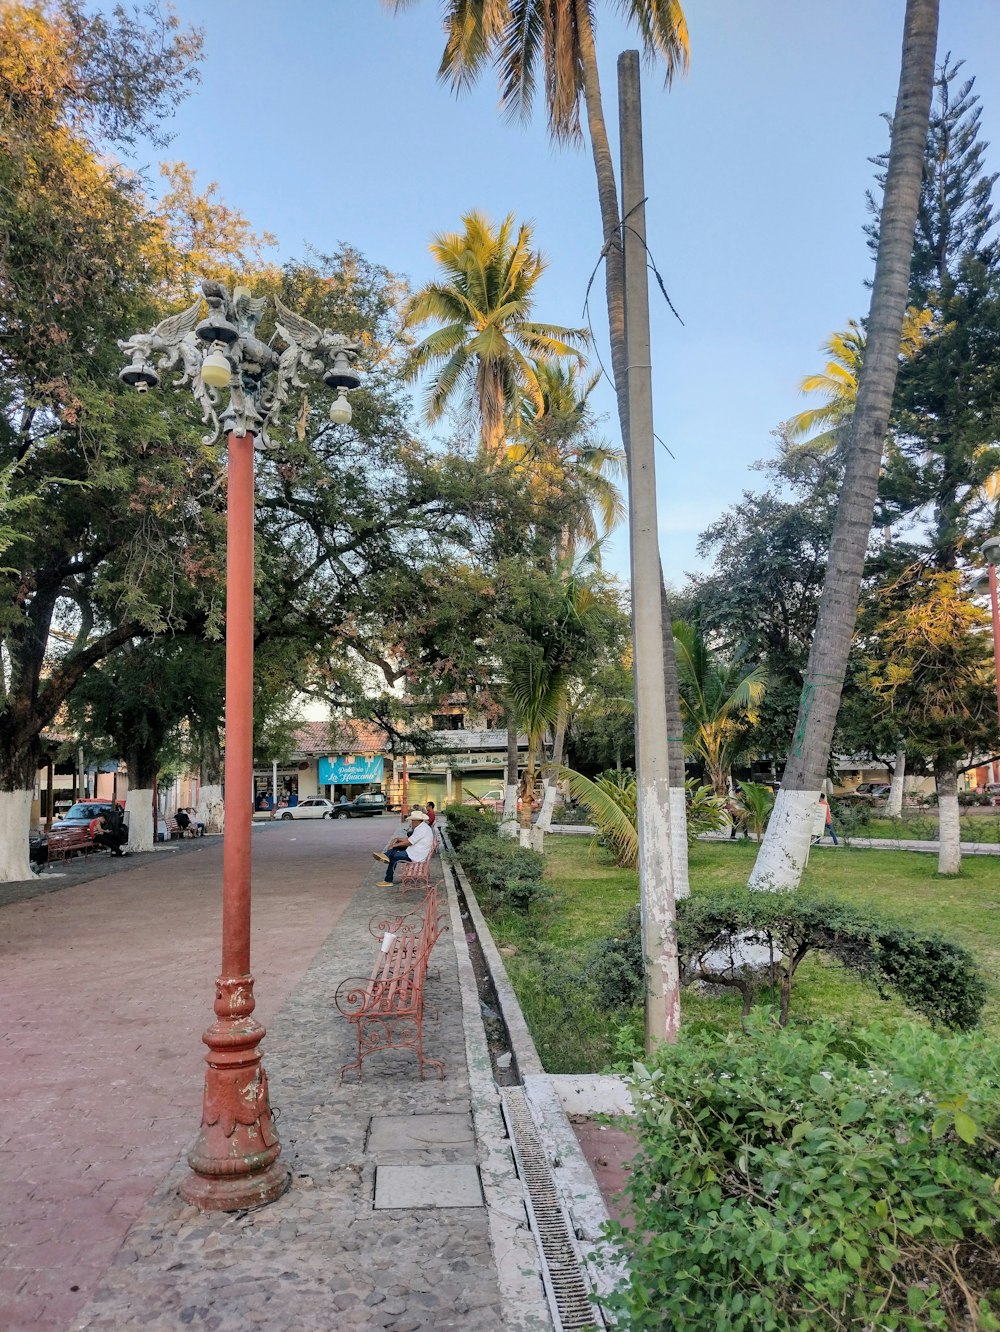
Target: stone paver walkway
(106, 988)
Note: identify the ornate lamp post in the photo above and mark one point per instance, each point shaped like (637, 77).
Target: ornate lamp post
(235, 1159)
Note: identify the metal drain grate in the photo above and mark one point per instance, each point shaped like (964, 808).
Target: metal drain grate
(567, 1292)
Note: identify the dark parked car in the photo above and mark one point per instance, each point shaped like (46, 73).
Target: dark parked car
(361, 807)
(80, 814)
(874, 790)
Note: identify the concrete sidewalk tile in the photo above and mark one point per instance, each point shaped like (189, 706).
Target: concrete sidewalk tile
(399, 1132)
(409, 1186)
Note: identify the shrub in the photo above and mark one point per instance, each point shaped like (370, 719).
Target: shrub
(521, 894)
(501, 871)
(814, 1179)
(466, 821)
(616, 969)
(934, 976)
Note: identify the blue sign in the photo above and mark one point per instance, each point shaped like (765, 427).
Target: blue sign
(350, 770)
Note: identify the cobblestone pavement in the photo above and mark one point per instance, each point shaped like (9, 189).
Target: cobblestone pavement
(106, 988)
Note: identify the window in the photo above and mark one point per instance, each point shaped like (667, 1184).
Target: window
(449, 721)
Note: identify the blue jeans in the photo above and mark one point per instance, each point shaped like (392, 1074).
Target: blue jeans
(396, 856)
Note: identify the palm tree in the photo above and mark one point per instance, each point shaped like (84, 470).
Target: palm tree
(551, 43)
(838, 380)
(485, 349)
(785, 850)
(558, 452)
(718, 699)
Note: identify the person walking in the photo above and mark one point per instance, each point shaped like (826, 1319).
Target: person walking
(419, 846)
(827, 824)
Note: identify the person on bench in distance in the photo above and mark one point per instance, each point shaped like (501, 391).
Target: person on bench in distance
(418, 846)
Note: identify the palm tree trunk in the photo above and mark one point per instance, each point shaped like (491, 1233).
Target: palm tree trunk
(949, 835)
(544, 821)
(614, 279)
(894, 804)
(785, 849)
(527, 793)
(508, 823)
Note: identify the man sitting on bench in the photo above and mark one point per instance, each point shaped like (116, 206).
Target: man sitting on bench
(419, 846)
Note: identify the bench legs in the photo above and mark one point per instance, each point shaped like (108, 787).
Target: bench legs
(379, 1034)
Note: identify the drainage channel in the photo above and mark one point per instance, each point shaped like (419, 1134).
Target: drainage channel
(566, 1290)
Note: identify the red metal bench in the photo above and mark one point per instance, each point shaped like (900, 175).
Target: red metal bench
(66, 842)
(417, 873)
(387, 1007)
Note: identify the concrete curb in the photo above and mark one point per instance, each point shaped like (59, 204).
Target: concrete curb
(519, 1273)
(551, 1098)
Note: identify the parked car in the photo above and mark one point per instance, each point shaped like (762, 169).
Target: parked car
(992, 789)
(873, 790)
(316, 807)
(492, 799)
(80, 814)
(361, 807)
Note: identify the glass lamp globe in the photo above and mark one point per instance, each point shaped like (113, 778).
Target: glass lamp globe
(215, 369)
(340, 410)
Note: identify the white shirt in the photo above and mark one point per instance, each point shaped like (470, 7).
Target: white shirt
(421, 842)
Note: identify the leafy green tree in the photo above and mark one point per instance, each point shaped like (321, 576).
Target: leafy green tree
(930, 665)
(100, 487)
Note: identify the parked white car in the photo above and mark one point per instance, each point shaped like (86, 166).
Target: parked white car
(313, 808)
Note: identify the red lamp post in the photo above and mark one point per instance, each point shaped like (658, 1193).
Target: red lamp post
(235, 1161)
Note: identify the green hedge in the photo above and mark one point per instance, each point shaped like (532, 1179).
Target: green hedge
(815, 1179)
(936, 977)
(502, 873)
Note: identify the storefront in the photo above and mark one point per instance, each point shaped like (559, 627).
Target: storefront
(349, 775)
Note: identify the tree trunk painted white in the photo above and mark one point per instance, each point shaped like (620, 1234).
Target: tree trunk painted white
(784, 853)
(544, 821)
(524, 837)
(894, 805)
(538, 840)
(15, 821)
(949, 835)
(211, 810)
(508, 822)
(139, 808)
(678, 842)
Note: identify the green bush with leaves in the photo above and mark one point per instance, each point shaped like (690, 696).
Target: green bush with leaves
(616, 969)
(743, 939)
(815, 1179)
(748, 940)
(503, 873)
(464, 822)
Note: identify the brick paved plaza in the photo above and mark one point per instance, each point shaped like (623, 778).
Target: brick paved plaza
(106, 988)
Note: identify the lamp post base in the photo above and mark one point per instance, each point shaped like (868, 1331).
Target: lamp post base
(234, 1161)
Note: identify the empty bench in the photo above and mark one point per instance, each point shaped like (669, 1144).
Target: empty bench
(387, 1007)
(66, 842)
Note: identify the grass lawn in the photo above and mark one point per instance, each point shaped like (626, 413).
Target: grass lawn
(589, 895)
(922, 825)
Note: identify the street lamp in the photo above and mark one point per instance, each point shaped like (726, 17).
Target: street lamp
(235, 1159)
(990, 551)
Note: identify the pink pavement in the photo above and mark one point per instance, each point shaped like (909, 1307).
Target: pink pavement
(105, 989)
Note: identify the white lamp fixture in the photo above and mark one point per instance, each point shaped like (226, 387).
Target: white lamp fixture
(340, 409)
(216, 370)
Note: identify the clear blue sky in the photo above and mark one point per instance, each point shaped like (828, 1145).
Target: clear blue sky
(322, 121)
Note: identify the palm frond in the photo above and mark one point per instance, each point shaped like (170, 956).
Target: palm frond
(608, 808)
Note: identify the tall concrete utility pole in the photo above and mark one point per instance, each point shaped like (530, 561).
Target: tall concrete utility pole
(656, 862)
